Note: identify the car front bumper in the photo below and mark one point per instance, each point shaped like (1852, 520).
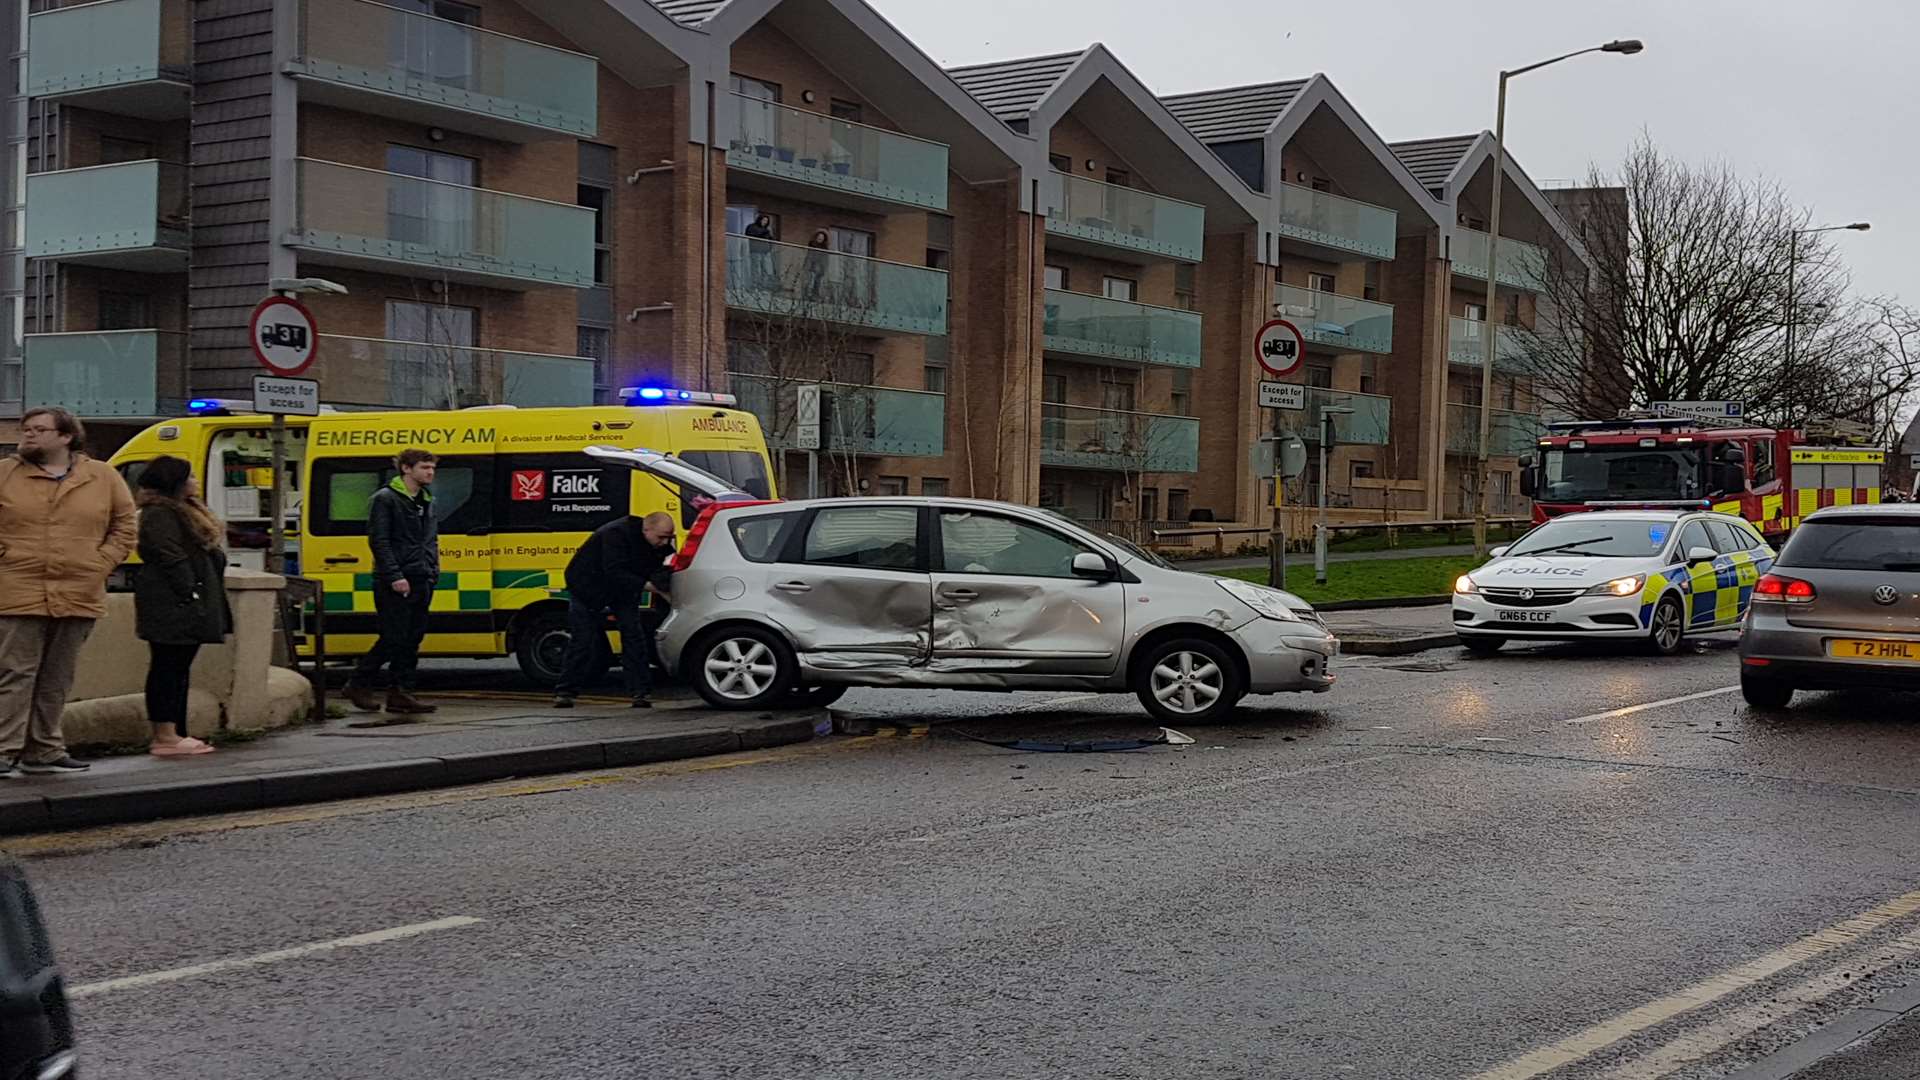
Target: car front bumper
(1797, 656)
(1284, 656)
(1581, 617)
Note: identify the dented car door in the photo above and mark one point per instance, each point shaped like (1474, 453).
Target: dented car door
(1006, 599)
(855, 595)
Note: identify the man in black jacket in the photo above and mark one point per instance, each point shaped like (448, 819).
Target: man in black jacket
(622, 568)
(405, 538)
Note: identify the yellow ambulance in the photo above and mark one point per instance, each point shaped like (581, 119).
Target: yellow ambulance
(515, 498)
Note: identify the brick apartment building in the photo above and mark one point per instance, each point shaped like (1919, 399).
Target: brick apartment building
(1032, 280)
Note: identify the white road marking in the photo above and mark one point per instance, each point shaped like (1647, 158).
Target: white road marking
(1583, 1044)
(1662, 703)
(378, 937)
(1702, 1042)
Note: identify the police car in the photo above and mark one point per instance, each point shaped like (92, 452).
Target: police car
(1648, 575)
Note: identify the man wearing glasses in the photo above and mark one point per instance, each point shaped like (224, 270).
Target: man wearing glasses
(66, 522)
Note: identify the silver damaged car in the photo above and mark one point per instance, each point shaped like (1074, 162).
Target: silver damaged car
(782, 601)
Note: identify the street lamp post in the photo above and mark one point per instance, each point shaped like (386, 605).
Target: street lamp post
(1793, 266)
(1625, 47)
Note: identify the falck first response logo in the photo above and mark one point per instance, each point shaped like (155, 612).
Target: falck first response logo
(540, 485)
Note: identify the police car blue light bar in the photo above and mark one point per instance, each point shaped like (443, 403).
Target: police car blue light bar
(659, 395)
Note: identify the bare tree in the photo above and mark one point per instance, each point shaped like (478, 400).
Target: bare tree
(1688, 299)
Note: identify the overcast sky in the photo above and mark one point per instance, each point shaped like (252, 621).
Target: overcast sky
(1824, 97)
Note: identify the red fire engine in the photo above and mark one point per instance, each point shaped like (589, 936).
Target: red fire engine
(1772, 478)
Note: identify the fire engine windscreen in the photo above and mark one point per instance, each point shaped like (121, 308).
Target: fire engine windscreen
(1621, 474)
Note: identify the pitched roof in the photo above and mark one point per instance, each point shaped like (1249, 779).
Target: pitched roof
(1236, 113)
(1432, 161)
(691, 12)
(1011, 88)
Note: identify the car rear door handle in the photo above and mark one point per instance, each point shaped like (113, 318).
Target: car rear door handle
(336, 560)
(793, 586)
(959, 594)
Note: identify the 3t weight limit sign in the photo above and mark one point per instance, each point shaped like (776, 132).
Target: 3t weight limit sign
(1279, 348)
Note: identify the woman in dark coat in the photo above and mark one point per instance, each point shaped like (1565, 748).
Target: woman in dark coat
(179, 595)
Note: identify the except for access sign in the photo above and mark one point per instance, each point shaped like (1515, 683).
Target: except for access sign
(1280, 395)
(274, 396)
(284, 335)
(1279, 348)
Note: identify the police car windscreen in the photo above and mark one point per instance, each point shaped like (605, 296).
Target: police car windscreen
(1581, 536)
(1621, 473)
(1854, 543)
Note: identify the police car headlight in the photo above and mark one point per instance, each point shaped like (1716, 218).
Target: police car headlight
(1625, 586)
(1464, 586)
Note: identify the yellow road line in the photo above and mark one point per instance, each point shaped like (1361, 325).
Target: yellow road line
(82, 841)
(1583, 1044)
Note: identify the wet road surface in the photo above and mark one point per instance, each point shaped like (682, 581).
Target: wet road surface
(1559, 861)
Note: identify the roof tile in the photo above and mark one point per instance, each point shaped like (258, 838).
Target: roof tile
(1011, 88)
(1235, 113)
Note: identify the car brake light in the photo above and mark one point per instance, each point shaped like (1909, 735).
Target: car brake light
(684, 557)
(1786, 590)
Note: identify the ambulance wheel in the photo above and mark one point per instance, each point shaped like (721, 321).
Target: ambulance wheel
(1668, 629)
(742, 667)
(542, 651)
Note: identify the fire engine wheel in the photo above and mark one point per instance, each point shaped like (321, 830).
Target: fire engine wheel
(1669, 627)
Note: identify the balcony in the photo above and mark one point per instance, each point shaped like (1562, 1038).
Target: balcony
(378, 373)
(122, 374)
(1341, 323)
(128, 57)
(1084, 438)
(129, 216)
(1080, 324)
(1370, 423)
(828, 287)
(373, 58)
(1511, 434)
(1467, 346)
(1339, 227)
(807, 155)
(389, 223)
(1109, 221)
(854, 419)
(1522, 265)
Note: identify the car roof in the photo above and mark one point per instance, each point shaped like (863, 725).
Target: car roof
(1628, 515)
(1867, 510)
(908, 500)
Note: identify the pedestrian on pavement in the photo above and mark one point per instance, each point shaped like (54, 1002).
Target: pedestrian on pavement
(66, 522)
(622, 565)
(405, 538)
(179, 596)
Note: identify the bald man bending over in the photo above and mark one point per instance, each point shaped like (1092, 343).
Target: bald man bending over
(621, 568)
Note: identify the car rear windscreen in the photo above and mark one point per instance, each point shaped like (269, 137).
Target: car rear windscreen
(1854, 543)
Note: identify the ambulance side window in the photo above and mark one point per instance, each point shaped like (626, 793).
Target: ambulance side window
(343, 490)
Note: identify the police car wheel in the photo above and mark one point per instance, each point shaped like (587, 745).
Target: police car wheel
(1765, 693)
(742, 667)
(1482, 645)
(1668, 628)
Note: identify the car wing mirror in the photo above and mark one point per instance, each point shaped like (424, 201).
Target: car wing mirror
(1700, 555)
(1088, 564)
(1497, 553)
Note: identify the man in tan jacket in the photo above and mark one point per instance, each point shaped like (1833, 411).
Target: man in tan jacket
(66, 521)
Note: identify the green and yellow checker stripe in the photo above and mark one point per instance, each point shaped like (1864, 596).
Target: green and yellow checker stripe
(461, 590)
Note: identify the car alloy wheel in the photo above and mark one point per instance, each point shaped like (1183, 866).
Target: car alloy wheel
(1669, 626)
(741, 669)
(1188, 682)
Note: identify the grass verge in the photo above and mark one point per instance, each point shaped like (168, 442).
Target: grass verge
(1376, 579)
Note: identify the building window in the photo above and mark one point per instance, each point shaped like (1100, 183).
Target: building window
(1177, 504)
(1320, 282)
(1119, 178)
(1118, 288)
(1056, 277)
(851, 241)
(1469, 392)
(595, 199)
(934, 369)
(1060, 162)
(1321, 183)
(442, 216)
(934, 486)
(1513, 309)
(1359, 470)
(757, 89)
(1320, 375)
(1477, 312)
(114, 151)
(125, 311)
(844, 110)
(940, 243)
(595, 343)
(1181, 400)
(1149, 504)
(1369, 374)
(442, 370)
(741, 215)
(1371, 290)
(890, 485)
(1185, 295)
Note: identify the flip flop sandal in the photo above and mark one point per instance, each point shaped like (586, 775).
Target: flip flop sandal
(183, 748)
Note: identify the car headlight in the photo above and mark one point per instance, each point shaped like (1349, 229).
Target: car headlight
(1624, 586)
(1464, 586)
(1267, 603)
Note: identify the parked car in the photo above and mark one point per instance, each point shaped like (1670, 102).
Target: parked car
(1841, 609)
(36, 1032)
(778, 600)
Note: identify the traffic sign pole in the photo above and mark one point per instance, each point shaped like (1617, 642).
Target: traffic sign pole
(285, 340)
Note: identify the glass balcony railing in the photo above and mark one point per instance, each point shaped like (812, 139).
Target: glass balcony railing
(1510, 434)
(1087, 325)
(1522, 265)
(1122, 217)
(131, 215)
(379, 373)
(821, 285)
(1338, 322)
(101, 47)
(352, 215)
(810, 148)
(109, 373)
(410, 57)
(1370, 422)
(1467, 345)
(1087, 438)
(853, 419)
(1332, 221)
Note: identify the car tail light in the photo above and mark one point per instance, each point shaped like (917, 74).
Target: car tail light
(1784, 590)
(684, 557)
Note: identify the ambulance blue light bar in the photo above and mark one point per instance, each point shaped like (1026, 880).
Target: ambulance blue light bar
(208, 405)
(662, 395)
